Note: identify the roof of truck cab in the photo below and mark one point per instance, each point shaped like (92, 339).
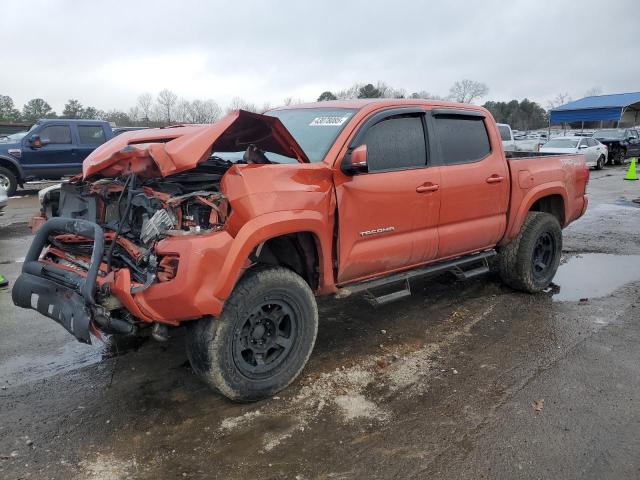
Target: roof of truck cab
(360, 103)
(70, 120)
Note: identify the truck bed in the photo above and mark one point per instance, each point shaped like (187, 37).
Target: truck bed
(565, 177)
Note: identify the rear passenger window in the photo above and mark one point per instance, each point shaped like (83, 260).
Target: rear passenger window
(56, 134)
(462, 139)
(396, 143)
(91, 134)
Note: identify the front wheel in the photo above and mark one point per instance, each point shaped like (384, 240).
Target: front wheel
(261, 341)
(600, 163)
(8, 180)
(531, 260)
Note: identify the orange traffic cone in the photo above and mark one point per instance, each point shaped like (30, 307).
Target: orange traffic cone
(631, 173)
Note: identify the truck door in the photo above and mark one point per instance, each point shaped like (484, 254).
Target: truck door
(90, 137)
(474, 181)
(634, 143)
(52, 156)
(388, 216)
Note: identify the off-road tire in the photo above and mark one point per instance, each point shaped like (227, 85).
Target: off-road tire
(516, 260)
(600, 162)
(213, 343)
(619, 157)
(13, 181)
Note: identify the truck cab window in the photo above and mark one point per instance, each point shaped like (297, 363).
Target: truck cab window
(462, 139)
(91, 134)
(396, 143)
(59, 134)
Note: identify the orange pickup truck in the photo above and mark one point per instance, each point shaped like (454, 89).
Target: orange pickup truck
(231, 229)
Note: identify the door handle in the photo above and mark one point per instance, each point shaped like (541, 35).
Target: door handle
(432, 187)
(495, 179)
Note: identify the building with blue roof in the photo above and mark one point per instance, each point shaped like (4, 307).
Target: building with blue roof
(620, 108)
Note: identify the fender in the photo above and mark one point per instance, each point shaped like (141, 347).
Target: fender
(270, 225)
(13, 161)
(530, 197)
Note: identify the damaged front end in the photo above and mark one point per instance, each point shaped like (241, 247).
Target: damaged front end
(128, 246)
(100, 230)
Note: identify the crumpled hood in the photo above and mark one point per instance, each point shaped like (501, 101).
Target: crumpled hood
(170, 150)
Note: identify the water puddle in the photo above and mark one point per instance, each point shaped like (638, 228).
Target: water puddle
(73, 355)
(593, 275)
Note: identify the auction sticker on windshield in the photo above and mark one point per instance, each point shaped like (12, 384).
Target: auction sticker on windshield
(328, 121)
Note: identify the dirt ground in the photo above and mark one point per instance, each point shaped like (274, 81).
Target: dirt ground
(461, 380)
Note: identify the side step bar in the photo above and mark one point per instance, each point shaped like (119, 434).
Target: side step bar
(479, 261)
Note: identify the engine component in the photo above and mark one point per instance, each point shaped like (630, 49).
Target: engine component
(154, 227)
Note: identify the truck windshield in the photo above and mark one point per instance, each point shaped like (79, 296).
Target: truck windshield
(315, 129)
(609, 133)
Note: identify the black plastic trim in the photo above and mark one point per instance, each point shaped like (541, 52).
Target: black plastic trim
(83, 228)
(461, 112)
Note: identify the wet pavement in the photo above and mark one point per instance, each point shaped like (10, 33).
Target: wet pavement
(461, 380)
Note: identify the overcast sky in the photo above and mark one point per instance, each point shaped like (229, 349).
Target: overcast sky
(106, 53)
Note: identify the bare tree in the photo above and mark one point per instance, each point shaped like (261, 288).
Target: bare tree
(182, 111)
(425, 95)
(292, 101)
(265, 106)
(134, 114)
(560, 99)
(593, 92)
(238, 103)
(388, 91)
(167, 101)
(145, 104)
(466, 91)
(207, 111)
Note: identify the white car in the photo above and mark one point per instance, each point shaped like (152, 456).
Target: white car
(508, 141)
(591, 148)
(3, 198)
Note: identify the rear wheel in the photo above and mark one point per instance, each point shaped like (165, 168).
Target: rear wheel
(600, 163)
(531, 260)
(261, 341)
(618, 158)
(8, 180)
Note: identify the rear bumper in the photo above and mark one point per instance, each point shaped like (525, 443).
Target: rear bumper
(63, 295)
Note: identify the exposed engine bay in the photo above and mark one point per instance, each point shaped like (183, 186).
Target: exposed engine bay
(135, 214)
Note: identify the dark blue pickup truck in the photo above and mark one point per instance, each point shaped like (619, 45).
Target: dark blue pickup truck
(50, 150)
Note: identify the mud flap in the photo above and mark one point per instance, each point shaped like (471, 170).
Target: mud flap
(54, 301)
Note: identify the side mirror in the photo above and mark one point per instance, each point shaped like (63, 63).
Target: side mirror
(35, 141)
(581, 147)
(355, 162)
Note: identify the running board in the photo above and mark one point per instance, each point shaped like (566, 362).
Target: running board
(455, 266)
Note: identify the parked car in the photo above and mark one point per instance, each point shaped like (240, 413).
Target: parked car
(594, 151)
(50, 150)
(508, 141)
(622, 143)
(232, 229)
(3, 199)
